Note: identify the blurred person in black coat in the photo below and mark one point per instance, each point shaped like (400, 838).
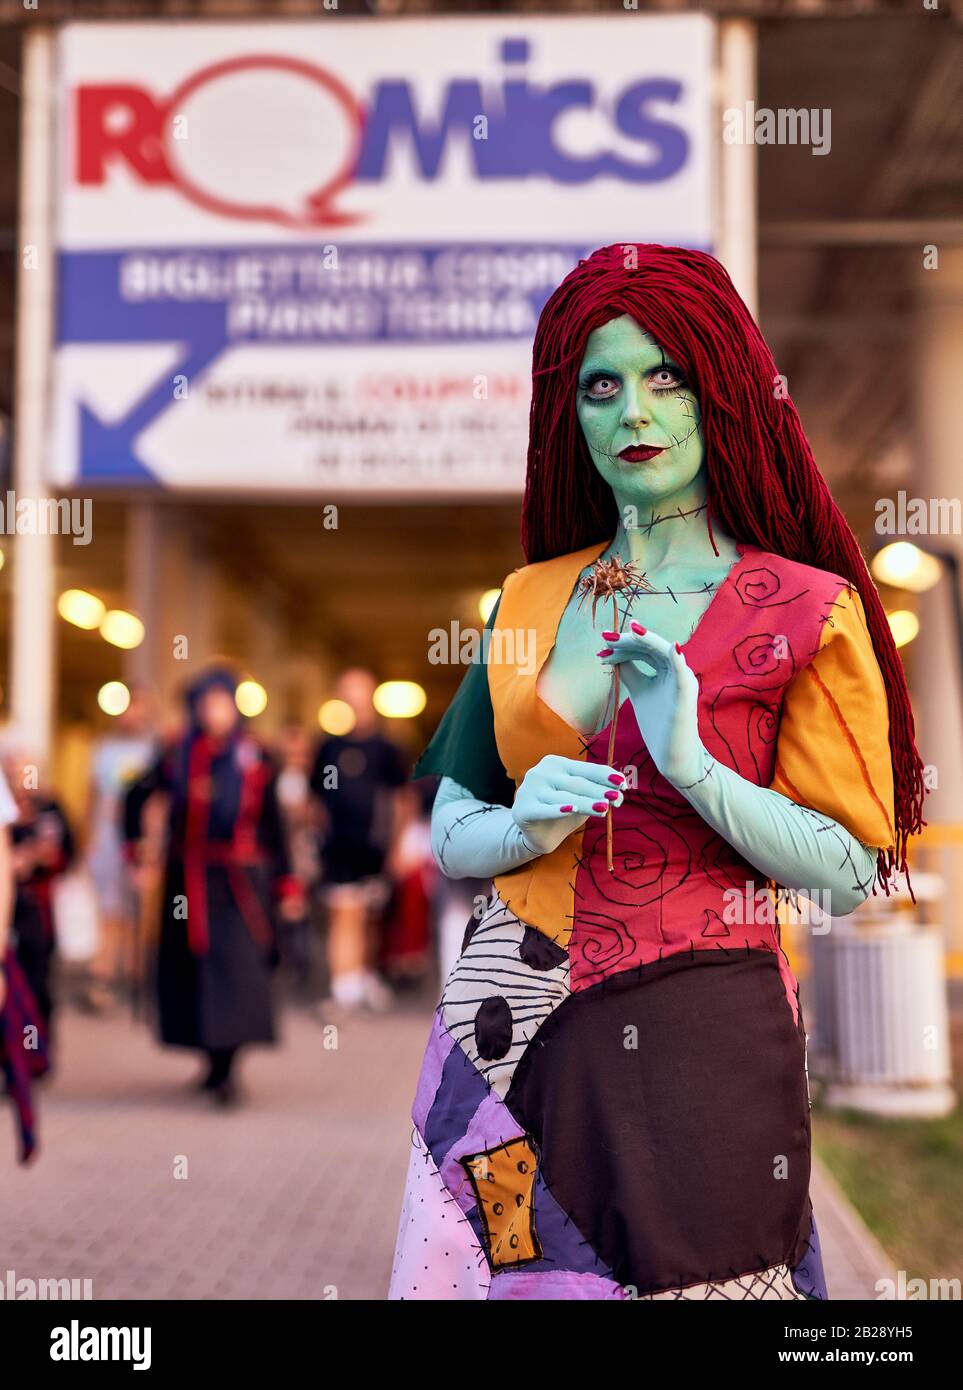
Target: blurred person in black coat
(23, 1036)
(43, 849)
(226, 878)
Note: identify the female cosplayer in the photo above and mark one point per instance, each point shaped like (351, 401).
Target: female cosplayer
(613, 1101)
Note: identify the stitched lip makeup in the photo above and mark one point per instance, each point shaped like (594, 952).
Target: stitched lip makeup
(639, 453)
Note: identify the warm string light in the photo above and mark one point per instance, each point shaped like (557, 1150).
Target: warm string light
(122, 629)
(486, 603)
(903, 565)
(336, 717)
(113, 698)
(81, 609)
(251, 698)
(85, 610)
(399, 699)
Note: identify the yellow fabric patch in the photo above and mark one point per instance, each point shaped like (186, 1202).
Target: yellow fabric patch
(833, 751)
(504, 1183)
(533, 600)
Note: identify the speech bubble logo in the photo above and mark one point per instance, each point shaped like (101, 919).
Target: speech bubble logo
(275, 125)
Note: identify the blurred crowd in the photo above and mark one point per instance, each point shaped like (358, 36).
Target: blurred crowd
(216, 875)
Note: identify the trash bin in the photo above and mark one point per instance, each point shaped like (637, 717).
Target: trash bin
(888, 1024)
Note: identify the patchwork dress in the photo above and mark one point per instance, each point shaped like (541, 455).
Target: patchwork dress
(614, 1100)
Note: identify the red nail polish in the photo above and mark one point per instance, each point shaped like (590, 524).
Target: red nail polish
(611, 636)
(612, 796)
(606, 651)
(599, 806)
(616, 778)
(678, 648)
(637, 627)
(565, 808)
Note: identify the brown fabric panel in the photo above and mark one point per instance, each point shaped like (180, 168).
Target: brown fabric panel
(670, 1109)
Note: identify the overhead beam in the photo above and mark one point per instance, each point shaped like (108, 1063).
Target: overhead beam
(937, 231)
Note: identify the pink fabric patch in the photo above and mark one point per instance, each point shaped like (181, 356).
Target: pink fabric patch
(553, 1284)
(437, 1255)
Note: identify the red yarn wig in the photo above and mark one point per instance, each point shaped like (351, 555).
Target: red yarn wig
(762, 480)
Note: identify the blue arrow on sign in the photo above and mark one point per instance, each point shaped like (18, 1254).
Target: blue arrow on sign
(107, 450)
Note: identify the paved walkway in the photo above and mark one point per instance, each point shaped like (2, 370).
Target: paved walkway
(295, 1195)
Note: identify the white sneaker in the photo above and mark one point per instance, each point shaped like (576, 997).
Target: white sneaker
(377, 995)
(349, 991)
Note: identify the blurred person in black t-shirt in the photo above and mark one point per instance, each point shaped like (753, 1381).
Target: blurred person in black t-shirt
(356, 778)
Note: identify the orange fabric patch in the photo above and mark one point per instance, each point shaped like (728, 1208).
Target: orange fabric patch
(541, 892)
(504, 1183)
(833, 753)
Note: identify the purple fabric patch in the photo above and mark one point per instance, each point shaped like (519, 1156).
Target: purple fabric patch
(552, 1284)
(440, 1043)
(809, 1277)
(461, 1090)
(564, 1246)
(491, 1125)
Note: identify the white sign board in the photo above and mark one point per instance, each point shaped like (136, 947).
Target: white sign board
(311, 257)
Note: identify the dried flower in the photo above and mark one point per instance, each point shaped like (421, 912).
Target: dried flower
(609, 578)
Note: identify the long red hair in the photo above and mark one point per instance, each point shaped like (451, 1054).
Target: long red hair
(762, 480)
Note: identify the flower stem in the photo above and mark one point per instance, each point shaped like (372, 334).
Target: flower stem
(612, 730)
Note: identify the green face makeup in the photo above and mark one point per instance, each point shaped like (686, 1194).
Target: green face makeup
(631, 394)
